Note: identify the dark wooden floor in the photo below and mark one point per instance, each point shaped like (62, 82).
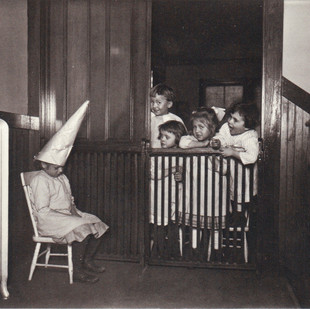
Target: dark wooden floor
(128, 285)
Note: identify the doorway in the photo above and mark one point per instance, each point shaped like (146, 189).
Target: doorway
(199, 43)
(208, 49)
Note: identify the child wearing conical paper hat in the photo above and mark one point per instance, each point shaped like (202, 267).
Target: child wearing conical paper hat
(54, 208)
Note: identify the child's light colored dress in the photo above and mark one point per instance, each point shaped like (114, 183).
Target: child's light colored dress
(209, 198)
(209, 203)
(52, 201)
(167, 193)
(247, 144)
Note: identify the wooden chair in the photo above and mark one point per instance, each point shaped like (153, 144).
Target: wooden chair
(26, 178)
(233, 241)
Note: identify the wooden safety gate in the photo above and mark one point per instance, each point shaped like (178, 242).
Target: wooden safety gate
(202, 210)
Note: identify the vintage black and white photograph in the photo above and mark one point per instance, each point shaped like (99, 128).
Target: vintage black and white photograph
(154, 153)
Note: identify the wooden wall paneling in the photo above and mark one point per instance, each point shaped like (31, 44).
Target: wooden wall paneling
(290, 165)
(141, 68)
(33, 57)
(134, 222)
(120, 71)
(94, 194)
(88, 184)
(283, 180)
(99, 40)
(46, 112)
(57, 61)
(81, 179)
(100, 187)
(299, 166)
(120, 204)
(271, 121)
(107, 199)
(78, 61)
(21, 143)
(127, 203)
(306, 193)
(113, 203)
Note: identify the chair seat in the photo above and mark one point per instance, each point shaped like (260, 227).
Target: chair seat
(43, 239)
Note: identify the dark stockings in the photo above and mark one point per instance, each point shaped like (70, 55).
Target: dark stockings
(84, 250)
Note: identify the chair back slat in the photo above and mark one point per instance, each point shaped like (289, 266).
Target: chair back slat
(26, 178)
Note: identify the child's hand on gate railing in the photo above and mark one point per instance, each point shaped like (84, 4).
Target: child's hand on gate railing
(215, 143)
(178, 175)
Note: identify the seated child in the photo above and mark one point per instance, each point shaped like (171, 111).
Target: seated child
(238, 139)
(53, 205)
(162, 98)
(204, 122)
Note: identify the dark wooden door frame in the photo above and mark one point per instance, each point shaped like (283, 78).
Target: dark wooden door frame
(271, 126)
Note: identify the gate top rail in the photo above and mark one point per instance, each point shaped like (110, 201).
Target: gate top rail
(174, 151)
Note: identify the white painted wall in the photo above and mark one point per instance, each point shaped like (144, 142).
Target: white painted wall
(13, 56)
(296, 42)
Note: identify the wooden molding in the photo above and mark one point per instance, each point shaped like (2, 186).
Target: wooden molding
(295, 94)
(20, 121)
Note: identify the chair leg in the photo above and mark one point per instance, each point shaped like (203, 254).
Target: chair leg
(34, 260)
(48, 254)
(70, 264)
(181, 241)
(209, 248)
(194, 239)
(151, 244)
(245, 244)
(215, 244)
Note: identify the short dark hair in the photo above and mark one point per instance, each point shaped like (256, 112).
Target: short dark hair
(162, 89)
(175, 127)
(249, 112)
(208, 116)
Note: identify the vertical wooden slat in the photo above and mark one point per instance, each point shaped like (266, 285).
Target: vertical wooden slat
(283, 180)
(127, 205)
(134, 201)
(290, 184)
(108, 199)
(101, 171)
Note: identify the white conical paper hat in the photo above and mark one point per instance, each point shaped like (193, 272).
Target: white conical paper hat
(58, 148)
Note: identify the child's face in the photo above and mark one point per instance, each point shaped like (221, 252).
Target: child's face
(200, 130)
(52, 169)
(236, 124)
(167, 139)
(160, 105)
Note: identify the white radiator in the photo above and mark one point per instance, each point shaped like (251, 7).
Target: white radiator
(4, 203)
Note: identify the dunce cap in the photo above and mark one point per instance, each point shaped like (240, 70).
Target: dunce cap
(58, 148)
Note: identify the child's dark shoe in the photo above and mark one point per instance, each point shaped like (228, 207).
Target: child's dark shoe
(90, 265)
(80, 276)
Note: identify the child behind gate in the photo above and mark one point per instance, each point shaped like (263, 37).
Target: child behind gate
(163, 191)
(200, 169)
(239, 140)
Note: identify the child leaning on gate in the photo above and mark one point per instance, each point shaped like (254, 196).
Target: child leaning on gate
(204, 122)
(54, 208)
(162, 98)
(170, 134)
(238, 139)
